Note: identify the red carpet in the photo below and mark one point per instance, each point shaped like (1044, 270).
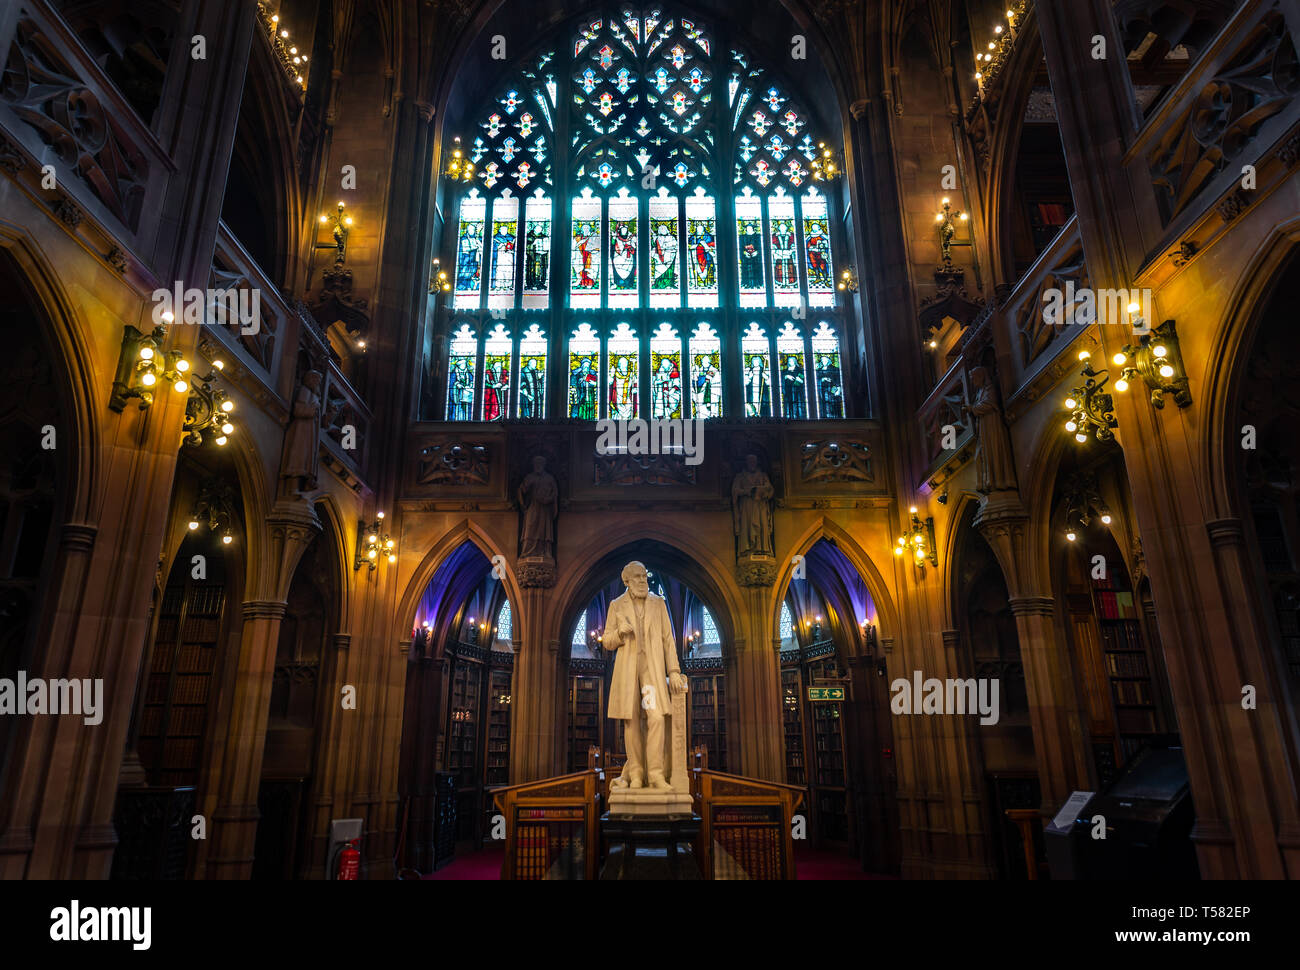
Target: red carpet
(809, 863)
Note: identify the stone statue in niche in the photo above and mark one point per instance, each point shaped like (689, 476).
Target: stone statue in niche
(647, 693)
(300, 460)
(995, 468)
(539, 497)
(751, 510)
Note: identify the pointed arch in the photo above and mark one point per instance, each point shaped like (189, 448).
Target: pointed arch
(887, 620)
(336, 533)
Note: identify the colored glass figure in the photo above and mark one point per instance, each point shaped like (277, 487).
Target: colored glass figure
(624, 251)
(758, 370)
(584, 384)
(702, 254)
(794, 403)
(817, 251)
(665, 373)
(469, 250)
(503, 254)
(790, 358)
(749, 236)
(586, 264)
(532, 386)
(460, 375)
(706, 373)
(496, 374)
(663, 255)
(584, 374)
(496, 388)
(622, 357)
(537, 252)
(783, 249)
(826, 362)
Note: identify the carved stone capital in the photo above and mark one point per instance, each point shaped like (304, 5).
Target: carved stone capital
(1225, 532)
(1032, 605)
(342, 641)
(263, 610)
(535, 572)
(78, 537)
(756, 570)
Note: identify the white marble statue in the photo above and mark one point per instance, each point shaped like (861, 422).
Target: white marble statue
(645, 670)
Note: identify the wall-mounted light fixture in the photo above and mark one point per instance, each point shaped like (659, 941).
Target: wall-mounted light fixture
(214, 506)
(143, 366)
(1157, 360)
(1090, 405)
(292, 60)
(342, 225)
(947, 230)
(848, 281)
(825, 167)
(1083, 504)
(208, 410)
(919, 538)
(459, 167)
(438, 282)
(373, 541)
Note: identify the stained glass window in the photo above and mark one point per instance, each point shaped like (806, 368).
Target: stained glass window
(710, 628)
(460, 379)
(469, 251)
(758, 372)
(622, 357)
(635, 186)
(790, 360)
(584, 374)
(706, 373)
(532, 374)
(496, 375)
(505, 628)
(826, 365)
(665, 373)
(787, 623)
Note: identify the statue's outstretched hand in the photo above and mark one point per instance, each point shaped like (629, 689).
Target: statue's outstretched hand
(677, 682)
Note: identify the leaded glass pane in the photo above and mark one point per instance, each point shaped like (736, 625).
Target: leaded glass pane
(758, 372)
(496, 374)
(665, 251)
(749, 238)
(817, 250)
(665, 373)
(826, 363)
(532, 374)
(701, 251)
(624, 251)
(706, 373)
(469, 251)
(537, 252)
(505, 234)
(785, 262)
(584, 374)
(790, 359)
(460, 374)
(584, 272)
(622, 356)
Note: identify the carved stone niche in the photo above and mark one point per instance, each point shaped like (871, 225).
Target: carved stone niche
(835, 460)
(756, 570)
(453, 462)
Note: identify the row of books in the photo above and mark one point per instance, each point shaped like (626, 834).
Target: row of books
(1115, 605)
(1126, 664)
(551, 851)
(207, 599)
(747, 852)
(1131, 691)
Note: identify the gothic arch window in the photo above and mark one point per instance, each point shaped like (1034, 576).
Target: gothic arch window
(647, 234)
(787, 623)
(505, 630)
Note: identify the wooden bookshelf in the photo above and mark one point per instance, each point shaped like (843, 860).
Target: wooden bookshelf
(1127, 667)
(829, 792)
(792, 705)
(586, 715)
(497, 770)
(173, 718)
(707, 699)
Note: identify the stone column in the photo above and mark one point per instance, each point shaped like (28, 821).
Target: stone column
(754, 684)
(233, 827)
(535, 716)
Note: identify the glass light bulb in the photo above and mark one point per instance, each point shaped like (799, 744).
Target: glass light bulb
(181, 387)
(227, 428)
(146, 352)
(219, 364)
(1070, 536)
(1134, 307)
(1166, 371)
(392, 558)
(227, 406)
(1071, 427)
(379, 515)
(389, 544)
(912, 510)
(147, 379)
(182, 365)
(1084, 355)
(221, 442)
(1071, 403)
(1105, 520)
(227, 539)
(898, 550)
(193, 525)
(1119, 360)
(1160, 350)
(1081, 437)
(1121, 385)
(372, 539)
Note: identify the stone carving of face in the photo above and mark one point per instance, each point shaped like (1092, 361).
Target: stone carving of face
(634, 576)
(751, 463)
(539, 464)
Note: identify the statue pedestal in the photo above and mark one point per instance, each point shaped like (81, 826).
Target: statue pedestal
(648, 802)
(660, 847)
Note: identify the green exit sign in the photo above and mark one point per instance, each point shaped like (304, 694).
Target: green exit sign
(826, 693)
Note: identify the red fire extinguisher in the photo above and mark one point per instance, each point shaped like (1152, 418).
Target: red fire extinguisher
(349, 862)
